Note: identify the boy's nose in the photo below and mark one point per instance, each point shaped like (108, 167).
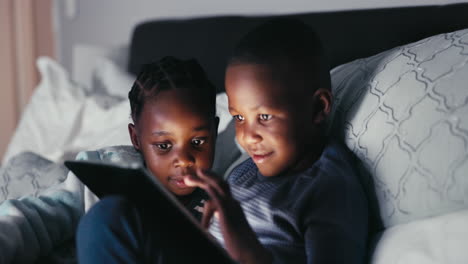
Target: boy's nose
(184, 160)
(251, 135)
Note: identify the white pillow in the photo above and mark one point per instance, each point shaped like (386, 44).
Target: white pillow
(404, 113)
(101, 127)
(50, 118)
(64, 117)
(440, 239)
(106, 110)
(102, 71)
(86, 58)
(111, 79)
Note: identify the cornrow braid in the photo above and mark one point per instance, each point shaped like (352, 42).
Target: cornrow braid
(171, 73)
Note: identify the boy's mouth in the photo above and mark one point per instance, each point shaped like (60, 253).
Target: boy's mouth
(178, 181)
(260, 158)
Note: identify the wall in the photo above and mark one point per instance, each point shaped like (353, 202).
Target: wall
(110, 22)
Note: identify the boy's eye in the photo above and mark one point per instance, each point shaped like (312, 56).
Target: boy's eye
(163, 146)
(198, 141)
(239, 118)
(265, 117)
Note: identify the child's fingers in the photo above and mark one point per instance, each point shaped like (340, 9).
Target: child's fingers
(194, 181)
(214, 181)
(208, 211)
(219, 198)
(214, 191)
(205, 181)
(216, 188)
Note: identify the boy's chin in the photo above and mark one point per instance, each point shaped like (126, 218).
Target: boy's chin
(267, 171)
(183, 192)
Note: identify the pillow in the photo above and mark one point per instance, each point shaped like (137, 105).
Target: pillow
(404, 113)
(64, 117)
(51, 116)
(440, 239)
(29, 174)
(86, 58)
(101, 71)
(101, 127)
(111, 79)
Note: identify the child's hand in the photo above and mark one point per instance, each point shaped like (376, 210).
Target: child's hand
(240, 240)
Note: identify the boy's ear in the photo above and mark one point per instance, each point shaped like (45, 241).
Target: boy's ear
(322, 105)
(133, 136)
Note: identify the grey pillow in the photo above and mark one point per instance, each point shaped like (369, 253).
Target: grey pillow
(404, 113)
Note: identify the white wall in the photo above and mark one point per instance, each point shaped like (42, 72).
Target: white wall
(110, 22)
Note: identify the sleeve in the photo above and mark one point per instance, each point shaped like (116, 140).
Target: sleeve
(32, 226)
(335, 222)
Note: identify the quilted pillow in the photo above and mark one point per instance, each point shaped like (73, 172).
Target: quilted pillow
(29, 173)
(404, 113)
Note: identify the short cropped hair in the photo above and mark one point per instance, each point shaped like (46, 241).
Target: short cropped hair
(285, 40)
(171, 73)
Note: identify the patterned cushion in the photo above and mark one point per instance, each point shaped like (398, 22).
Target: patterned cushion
(404, 113)
(29, 173)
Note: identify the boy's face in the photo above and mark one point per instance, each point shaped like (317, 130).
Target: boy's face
(270, 125)
(175, 138)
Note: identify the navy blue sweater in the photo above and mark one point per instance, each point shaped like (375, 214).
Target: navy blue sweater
(316, 216)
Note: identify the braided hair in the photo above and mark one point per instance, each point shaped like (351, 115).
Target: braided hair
(171, 73)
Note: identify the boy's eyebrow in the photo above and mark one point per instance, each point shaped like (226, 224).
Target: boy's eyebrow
(203, 127)
(253, 108)
(161, 133)
(165, 133)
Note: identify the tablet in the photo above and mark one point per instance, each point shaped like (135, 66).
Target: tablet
(138, 185)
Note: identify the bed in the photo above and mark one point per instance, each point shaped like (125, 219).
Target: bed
(399, 78)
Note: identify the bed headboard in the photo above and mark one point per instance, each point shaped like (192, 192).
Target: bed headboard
(347, 35)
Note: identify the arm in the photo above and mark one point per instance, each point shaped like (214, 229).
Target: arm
(240, 240)
(335, 222)
(32, 226)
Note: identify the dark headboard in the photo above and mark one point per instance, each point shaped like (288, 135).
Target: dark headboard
(347, 35)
